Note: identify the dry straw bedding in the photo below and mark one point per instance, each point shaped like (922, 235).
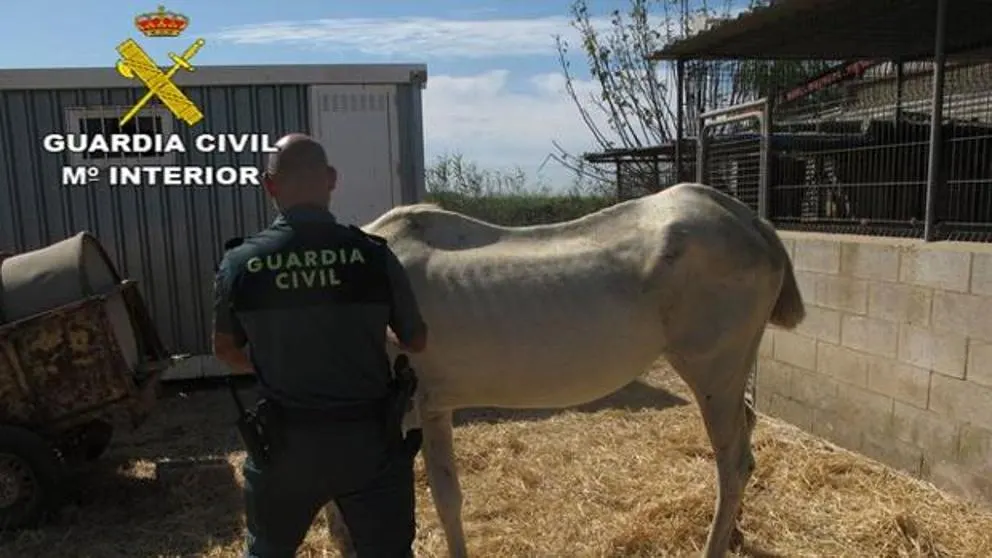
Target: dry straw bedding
(600, 481)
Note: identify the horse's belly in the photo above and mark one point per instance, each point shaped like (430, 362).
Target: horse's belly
(539, 364)
(553, 334)
(518, 385)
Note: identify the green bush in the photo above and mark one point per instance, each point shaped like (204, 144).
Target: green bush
(508, 197)
(522, 209)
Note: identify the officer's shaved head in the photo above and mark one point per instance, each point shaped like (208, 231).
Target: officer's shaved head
(299, 172)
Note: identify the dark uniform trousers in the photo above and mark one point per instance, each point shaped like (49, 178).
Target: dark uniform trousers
(352, 463)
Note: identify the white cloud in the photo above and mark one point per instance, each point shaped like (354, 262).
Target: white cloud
(480, 117)
(423, 36)
(428, 36)
(465, 37)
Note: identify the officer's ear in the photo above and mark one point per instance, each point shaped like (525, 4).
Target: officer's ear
(332, 178)
(269, 183)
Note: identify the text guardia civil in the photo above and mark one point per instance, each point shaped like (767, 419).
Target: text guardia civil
(142, 151)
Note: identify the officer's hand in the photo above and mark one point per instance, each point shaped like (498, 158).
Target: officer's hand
(416, 345)
(391, 337)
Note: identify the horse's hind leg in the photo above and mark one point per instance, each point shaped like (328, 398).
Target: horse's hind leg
(719, 383)
(439, 458)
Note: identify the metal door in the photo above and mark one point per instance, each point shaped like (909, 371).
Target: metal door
(357, 124)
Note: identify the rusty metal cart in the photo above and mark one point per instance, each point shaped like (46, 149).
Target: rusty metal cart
(78, 353)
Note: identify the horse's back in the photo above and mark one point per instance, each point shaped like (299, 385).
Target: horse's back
(716, 222)
(726, 270)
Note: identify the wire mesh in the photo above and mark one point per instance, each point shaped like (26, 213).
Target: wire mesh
(640, 178)
(963, 204)
(643, 176)
(856, 161)
(848, 146)
(733, 159)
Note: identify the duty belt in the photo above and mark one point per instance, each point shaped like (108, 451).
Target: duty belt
(373, 409)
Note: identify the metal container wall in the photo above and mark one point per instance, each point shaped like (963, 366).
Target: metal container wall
(167, 238)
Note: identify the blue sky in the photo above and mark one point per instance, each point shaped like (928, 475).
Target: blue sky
(494, 91)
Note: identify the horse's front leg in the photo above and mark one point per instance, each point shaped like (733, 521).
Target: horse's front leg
(442, 476)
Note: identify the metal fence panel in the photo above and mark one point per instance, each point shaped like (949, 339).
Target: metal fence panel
(856, 159)
(963, 207)
(733, 155)
(733, 152)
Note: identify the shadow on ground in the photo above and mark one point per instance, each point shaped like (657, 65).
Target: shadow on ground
(123, 506)
(751, 551)
(189, 420)
(118, 508)
(635, 396)
(198, 421)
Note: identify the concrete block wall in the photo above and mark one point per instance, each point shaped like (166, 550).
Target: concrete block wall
(894, 359)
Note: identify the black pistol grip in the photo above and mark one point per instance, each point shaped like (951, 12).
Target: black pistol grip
(252, 440)
(401, 363)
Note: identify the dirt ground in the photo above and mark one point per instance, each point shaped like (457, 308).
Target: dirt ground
(627, 476)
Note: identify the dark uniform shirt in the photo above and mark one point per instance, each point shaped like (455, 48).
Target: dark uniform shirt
(311, 298)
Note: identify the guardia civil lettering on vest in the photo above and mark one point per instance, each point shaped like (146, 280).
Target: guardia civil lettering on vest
(307, 268)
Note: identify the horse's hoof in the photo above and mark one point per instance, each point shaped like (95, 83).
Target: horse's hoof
(736, 539)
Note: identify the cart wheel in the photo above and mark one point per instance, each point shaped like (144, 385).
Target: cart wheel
(29, 473)
(96, 439)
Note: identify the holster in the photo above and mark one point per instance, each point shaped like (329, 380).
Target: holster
(402, 389)
(261, 429)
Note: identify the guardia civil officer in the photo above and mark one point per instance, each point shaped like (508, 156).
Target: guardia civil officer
(310, 300)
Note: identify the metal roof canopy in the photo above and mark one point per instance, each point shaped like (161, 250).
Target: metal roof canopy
(839, 30)
(662, 152)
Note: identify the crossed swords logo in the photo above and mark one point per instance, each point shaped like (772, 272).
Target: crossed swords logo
(136, 64)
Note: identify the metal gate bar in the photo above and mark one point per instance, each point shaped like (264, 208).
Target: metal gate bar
(738, 153)
(744, 157)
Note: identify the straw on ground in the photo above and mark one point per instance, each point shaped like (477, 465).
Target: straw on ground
(598, 482)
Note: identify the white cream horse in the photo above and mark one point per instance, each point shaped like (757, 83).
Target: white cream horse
(558, 315)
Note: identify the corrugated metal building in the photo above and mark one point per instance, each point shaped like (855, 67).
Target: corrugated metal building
(170, 238)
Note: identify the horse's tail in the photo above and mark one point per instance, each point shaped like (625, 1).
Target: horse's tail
(789, 310)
